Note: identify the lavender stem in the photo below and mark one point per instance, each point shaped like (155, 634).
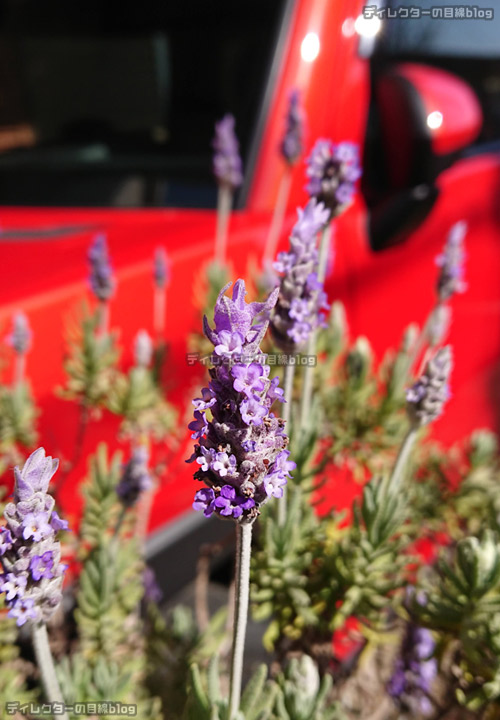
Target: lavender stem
(324, 246)
(159, 310)
(224, 202)
(394, 482)
(243, 553)
(103, 327)
(19, 368)
(287, 411)
(45, 664)
(278, 216)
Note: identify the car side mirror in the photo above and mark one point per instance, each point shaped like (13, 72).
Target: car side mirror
(426, 117)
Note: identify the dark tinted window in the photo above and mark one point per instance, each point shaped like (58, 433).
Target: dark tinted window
(114, 102)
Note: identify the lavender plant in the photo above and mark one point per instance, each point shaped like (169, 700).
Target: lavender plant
(242, 450)
(31, 560)
(228, 172)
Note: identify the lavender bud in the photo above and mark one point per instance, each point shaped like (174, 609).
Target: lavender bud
(135, 479)
(301, 300)
(426, 398)
(291, 145)
(451, 262)
(20, 337)
(101, 277)
(31, 557)
(161, 268)
(227, 164)
(143, 349)
(333, 171)
(241, 451)
(415, 671)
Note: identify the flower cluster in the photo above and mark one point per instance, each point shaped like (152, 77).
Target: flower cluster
(332, 171)
(101, 274)
(451, 262)
(301, 296)
(291, 145)
(241, 450)
(161, 268)
(20, 337)
(414, 672)
(30, 555)
(227, 163)
(135, 478)
(426, 398)
(143, 349)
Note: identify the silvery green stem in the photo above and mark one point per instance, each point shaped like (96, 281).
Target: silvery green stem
(278, 216)
(242, 590)
(307, 388)
(45, 664)
(224, 202)
(324, 246)
(103, 327)
(396, 477)
(287, 411)
(160, 310)
(19, 368)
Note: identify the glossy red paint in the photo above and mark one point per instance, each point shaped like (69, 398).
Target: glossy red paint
(452, 111)
(383, 292)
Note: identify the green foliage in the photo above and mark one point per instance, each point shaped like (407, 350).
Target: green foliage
(17, 416)
(101, 506)
(461, 600)
(90, 362)
(205, 701)
(304, 695)
(138, 399)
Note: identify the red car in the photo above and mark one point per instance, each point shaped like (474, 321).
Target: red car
(114, 108)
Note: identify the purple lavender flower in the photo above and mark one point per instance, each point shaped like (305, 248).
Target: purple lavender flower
(161, 268)
(20, 337)
(143, 349)
(199, 424)
(101, 278)
(333, 171)
(243, 443)
(42, 566)
(291, 145)
(152, 591)
(32, 572)
(414, 672)
(135, 477)
(426, 398)
(227, 164)
(301, 297)
(451, 262)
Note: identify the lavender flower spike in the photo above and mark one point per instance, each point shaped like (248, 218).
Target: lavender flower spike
(32, 572)
(161, 268)
(241, 450)
(291, 145)
(227, 163)
(135, 479)
(333, 171)
(143, 349)
(301, 297)
(451, 262)
(101, 276)
(20, 337)
(414, 672)
(426, 398)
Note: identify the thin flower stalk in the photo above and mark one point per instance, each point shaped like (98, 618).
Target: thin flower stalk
(228, 172)
(278, 216)
(161, 277)
(286, 415)
(242, 592)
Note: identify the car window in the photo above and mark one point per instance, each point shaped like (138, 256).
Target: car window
(114, 103)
